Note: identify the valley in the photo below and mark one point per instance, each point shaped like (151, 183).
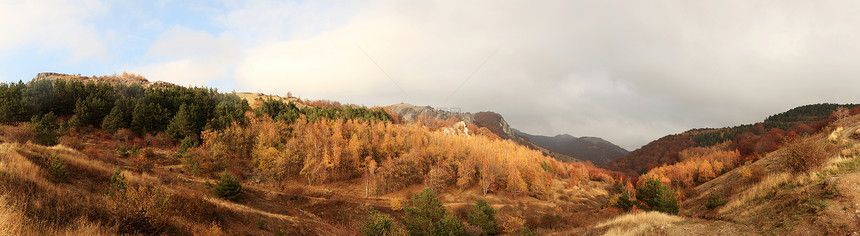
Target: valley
(113, 155)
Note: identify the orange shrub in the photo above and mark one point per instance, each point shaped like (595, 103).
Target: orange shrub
(513, 224)
(806, 153)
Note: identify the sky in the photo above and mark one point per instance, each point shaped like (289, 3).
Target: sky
(626, 71)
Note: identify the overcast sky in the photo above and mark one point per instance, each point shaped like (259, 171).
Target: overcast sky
(627, 71)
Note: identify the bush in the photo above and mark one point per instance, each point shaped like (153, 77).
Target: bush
(715, 200)
(377, 224)
(656, 196)
(141, 209)
(426, 215)
(228, 187)
(122, 152)
(396, 204)
(72, 142)
(92, 152)
(117, 183)
(513, 224)
(806, 153)
(57, 169)
(484, 216)
(19, 134)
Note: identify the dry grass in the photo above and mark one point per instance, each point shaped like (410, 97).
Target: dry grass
(13, 162)
(11, 220)
(642, 223)
(758, 190)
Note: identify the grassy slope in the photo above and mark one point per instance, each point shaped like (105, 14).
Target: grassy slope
(775, 201)
(292, 207)
(765, 198)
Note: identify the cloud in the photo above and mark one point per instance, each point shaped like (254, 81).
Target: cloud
(53, 26)
(629, 72)
(190, 57)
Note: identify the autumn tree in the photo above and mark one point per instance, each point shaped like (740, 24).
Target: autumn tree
(488, 175)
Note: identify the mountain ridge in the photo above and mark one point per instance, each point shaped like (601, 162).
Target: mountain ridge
(594, 149)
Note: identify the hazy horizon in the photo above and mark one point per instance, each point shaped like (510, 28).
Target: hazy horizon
(627, 72)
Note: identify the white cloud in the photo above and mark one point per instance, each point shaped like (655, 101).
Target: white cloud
(626, 71)
(53, 26)
(188, 57)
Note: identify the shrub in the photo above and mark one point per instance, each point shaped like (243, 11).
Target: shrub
(57, 169)
(92, 152)
(123, 135)
(715, 200)
(228, 187)
(513, 224)
(484, 216)
(19, 134)
(377, 224)
(656, 196)
(186, 143)
(806, 153)
(72, 142)
(426, 215)
(141, 209)
(117, 183)
(396, 204)
(122, 152)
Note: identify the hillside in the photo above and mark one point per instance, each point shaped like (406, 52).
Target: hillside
(806, 186)
(84, 157)
(810, 186)
(592, 149)
(750, 140)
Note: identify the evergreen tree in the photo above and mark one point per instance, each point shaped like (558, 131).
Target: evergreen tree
(377, 224)
(182, 126)
(10, 102)
(484, 216)
(426, 216)
(657, 196)
(228, 187)
(38, 96)
(45, 128)
(148, 117)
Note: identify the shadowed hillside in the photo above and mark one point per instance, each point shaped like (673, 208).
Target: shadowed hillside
(592, 149)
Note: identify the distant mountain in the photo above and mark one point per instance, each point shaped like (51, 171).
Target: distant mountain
(494, 122)
(593, 149)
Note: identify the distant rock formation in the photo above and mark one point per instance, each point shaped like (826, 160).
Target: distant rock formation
(490, 120)
(457, 129)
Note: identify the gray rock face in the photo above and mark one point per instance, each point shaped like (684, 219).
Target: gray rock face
(409, 112)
